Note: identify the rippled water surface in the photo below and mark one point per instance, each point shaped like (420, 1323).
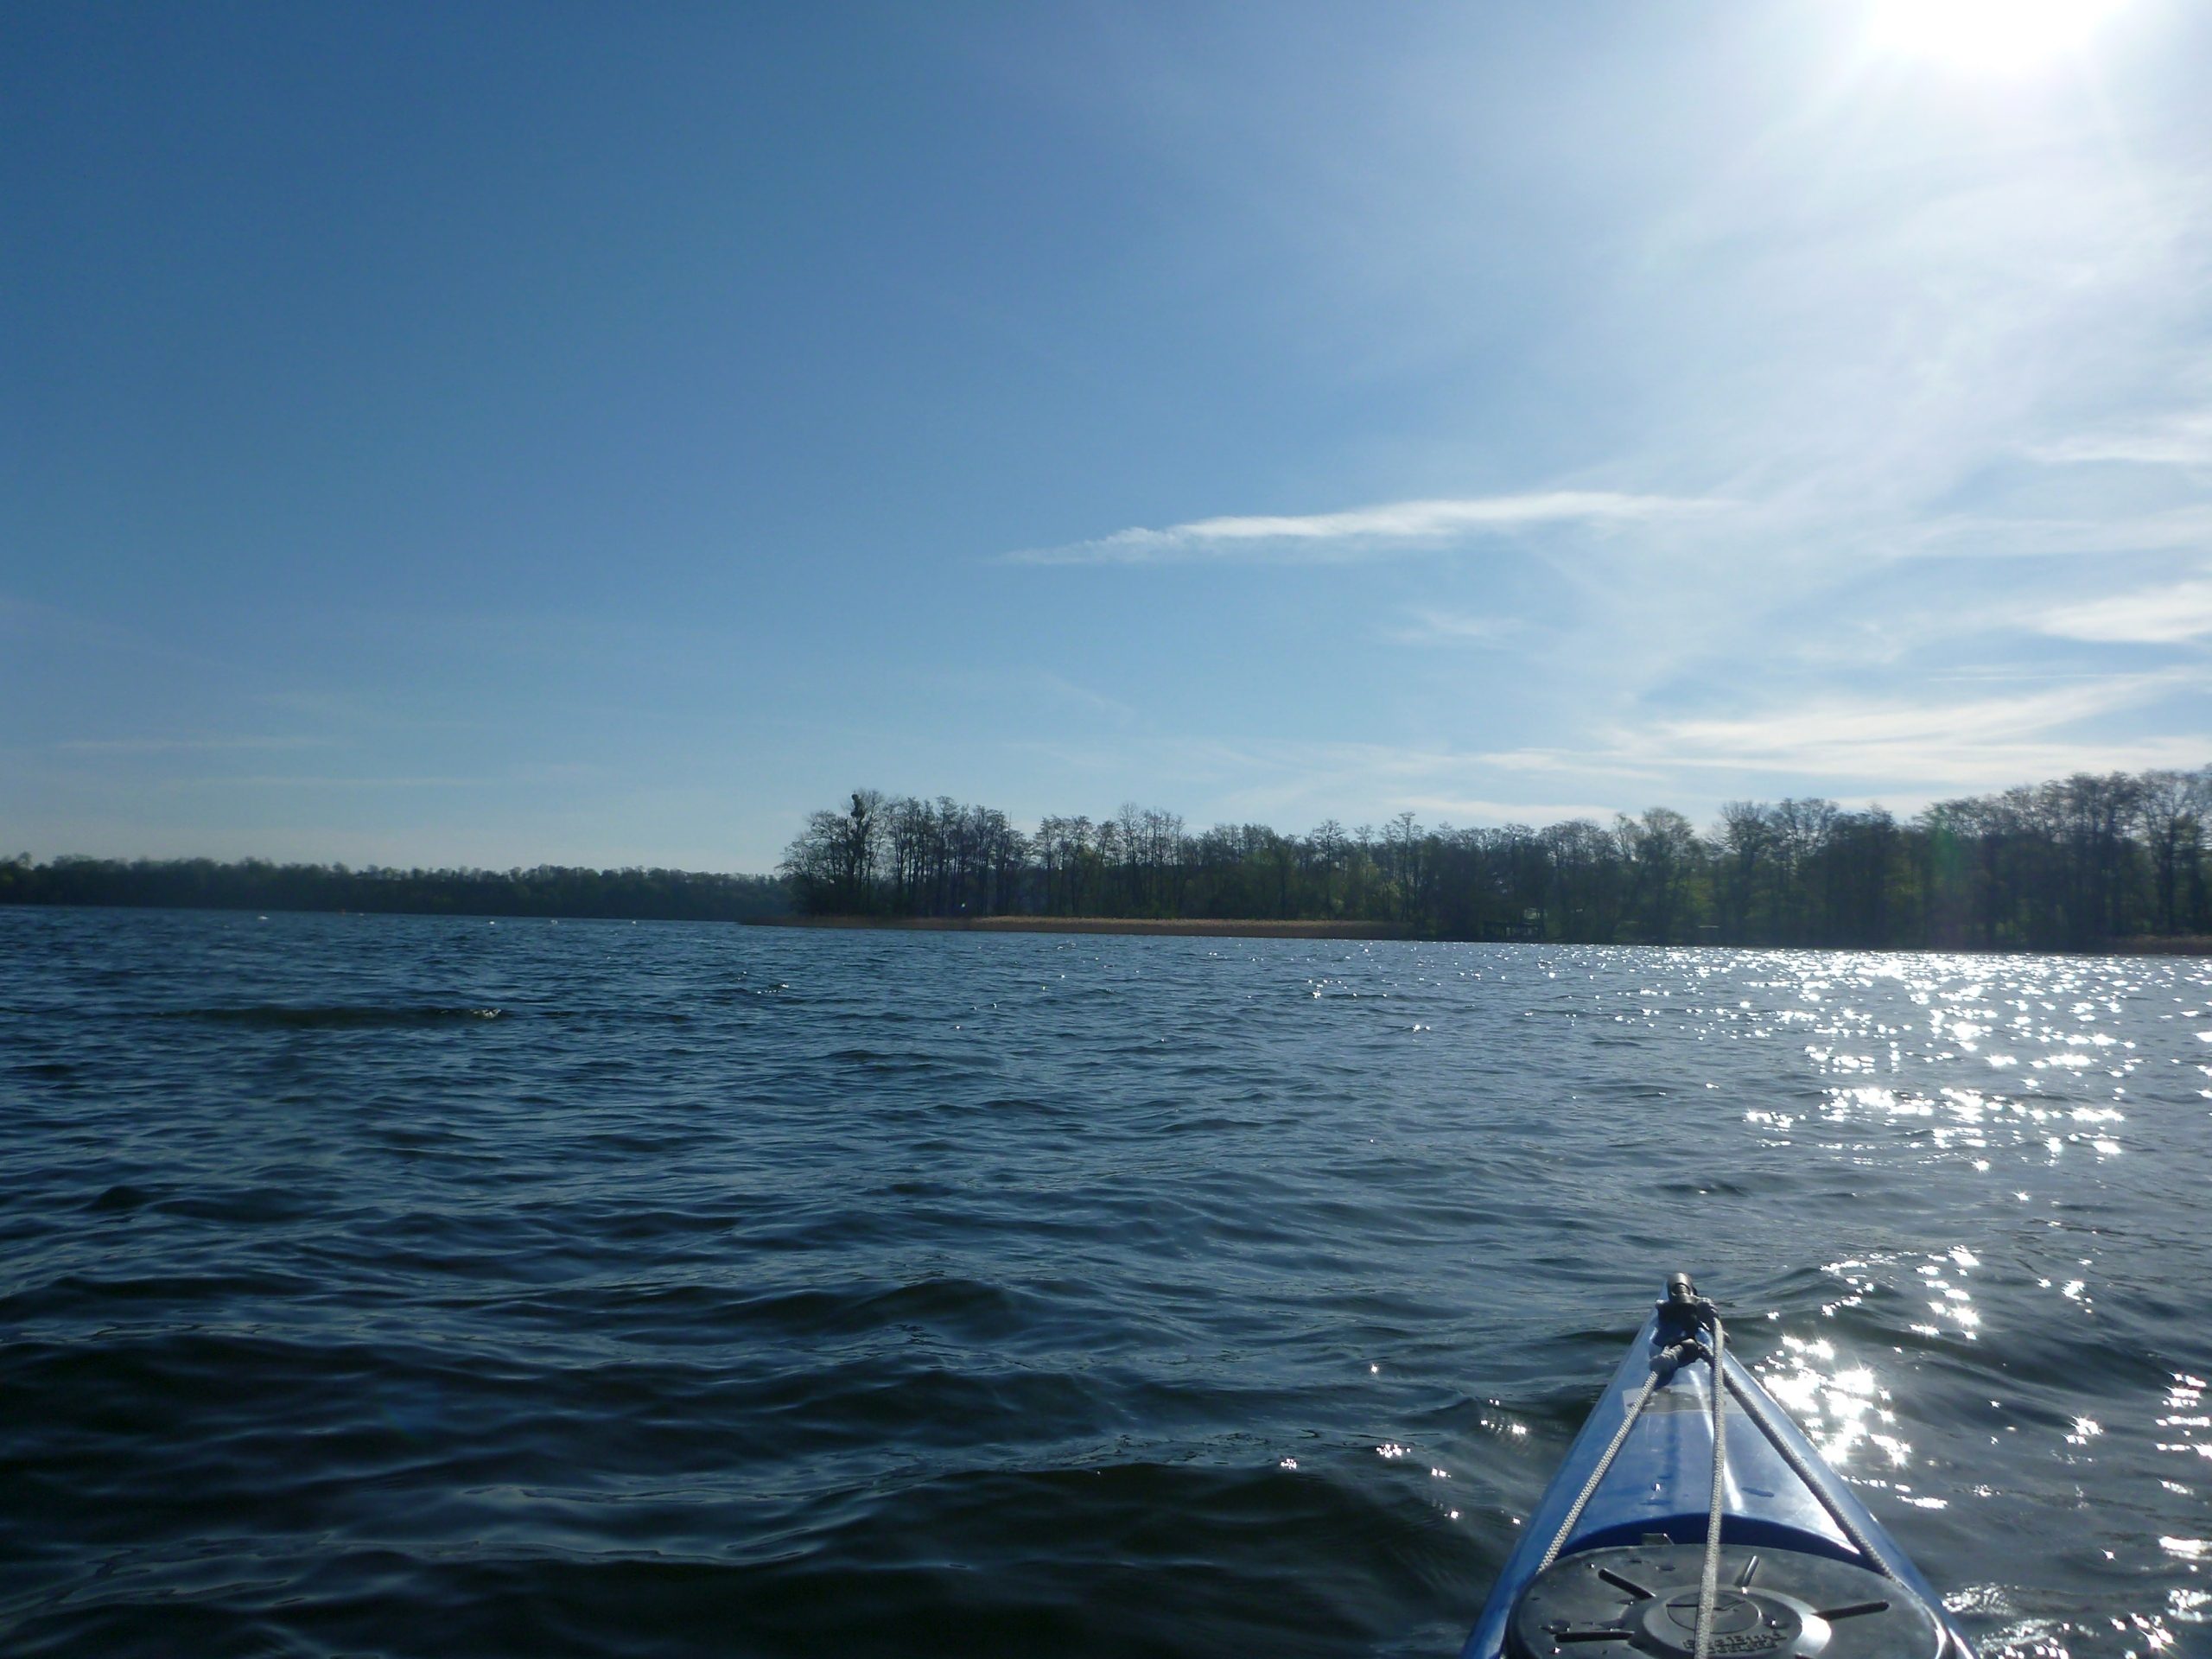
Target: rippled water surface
(409, 1285)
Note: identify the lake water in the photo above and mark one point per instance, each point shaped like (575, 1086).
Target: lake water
(411, 1286)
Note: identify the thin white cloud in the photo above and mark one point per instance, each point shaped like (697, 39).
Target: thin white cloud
(2177, 440)
(1435, 627)
(2017, 675)
(1056, 685)
(1609, 759)
(1988, 536)
(1362, 532)
(1451, 809)
(2170, 615)
(1976, 743)
(1033, 686)
(1828, 728)
(1291, 783)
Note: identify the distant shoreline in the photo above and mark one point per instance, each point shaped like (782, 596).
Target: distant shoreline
(1189, 927)
(2180, 944)
(2177, 945)
(1200, 927)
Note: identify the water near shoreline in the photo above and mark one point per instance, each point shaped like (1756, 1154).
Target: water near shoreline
(377, 1285)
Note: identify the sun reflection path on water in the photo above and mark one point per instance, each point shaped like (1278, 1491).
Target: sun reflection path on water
(2028, 1073)
(2058, 1106)
(1848, 1409)
(2061, 1083)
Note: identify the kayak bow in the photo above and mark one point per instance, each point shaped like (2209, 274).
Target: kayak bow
(1622, 1555)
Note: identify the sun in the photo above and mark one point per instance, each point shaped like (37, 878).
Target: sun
(1997, 38)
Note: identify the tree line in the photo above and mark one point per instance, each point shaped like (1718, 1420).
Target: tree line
(2070, 864)
(253, 883)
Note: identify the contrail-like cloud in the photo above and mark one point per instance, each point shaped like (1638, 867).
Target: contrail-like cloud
(1362, 532)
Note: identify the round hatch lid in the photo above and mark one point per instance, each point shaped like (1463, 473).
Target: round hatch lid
(1774, 1603)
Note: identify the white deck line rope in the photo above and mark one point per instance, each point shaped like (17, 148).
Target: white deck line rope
(1661, 1364)
(1709, 1592)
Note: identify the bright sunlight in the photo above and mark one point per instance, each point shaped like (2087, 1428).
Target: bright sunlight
(1989, 36)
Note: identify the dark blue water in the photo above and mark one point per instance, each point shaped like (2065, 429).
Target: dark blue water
(397, 1286)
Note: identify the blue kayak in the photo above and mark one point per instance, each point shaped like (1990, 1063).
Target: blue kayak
(1620, 1557)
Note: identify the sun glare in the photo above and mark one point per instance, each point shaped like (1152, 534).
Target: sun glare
(1998, 37)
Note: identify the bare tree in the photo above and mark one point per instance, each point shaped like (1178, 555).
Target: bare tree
(2168, 805)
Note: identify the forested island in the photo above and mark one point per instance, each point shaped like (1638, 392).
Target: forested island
(253, 884)
(2081, 863)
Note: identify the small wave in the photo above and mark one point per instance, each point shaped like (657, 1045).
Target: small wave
(121, 1198)
(278, 1016)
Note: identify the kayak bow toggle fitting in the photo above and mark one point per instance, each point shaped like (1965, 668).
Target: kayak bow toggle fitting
(1679, 1529)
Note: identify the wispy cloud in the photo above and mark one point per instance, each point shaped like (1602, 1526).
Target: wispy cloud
(2176, 441)
(1033, 686)
(1292, 782)
(1452, 808)
(1056, 685)
(1435, 627)
(1995, 535)
(1363, 533)
(1973, 743)
(2170, 615)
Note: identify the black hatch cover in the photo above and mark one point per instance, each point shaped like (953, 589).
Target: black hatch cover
(1774, 1603)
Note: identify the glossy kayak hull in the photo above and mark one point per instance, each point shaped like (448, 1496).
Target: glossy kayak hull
(1660, 1481)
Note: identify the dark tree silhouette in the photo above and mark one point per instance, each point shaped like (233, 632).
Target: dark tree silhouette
(2068, 865)
(253, 884)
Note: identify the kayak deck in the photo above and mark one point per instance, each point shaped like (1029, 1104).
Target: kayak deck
(1785, 1513)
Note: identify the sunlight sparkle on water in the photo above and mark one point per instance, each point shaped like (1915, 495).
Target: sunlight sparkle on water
(1838, 1410)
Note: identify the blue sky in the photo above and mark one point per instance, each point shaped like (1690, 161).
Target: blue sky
(497, 435)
